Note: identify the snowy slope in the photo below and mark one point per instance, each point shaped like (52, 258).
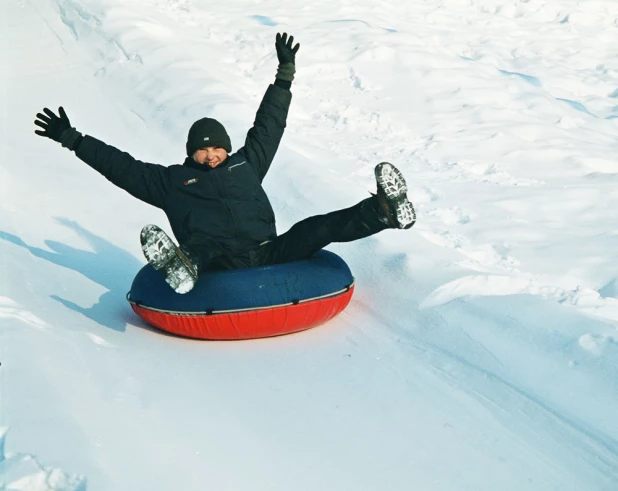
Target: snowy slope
(480, 350)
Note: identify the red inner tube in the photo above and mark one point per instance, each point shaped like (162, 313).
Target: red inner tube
(247, 303)
(259, 323)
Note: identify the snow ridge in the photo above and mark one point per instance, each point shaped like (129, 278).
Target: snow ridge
(21, 472)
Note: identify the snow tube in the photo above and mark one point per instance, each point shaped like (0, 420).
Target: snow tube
(247, 303)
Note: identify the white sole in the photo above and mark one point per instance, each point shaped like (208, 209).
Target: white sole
(391, 180)
(162, 254)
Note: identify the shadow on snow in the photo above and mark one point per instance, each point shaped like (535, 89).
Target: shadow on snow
(109, 266)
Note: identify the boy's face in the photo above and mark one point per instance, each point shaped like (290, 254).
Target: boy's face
(211, 156)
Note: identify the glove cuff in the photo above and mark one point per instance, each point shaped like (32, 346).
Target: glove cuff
(286, 71)
(69, 138)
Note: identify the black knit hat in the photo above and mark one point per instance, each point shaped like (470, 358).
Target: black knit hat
(207, 132)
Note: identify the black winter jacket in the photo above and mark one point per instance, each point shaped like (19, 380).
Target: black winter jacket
(227, 204)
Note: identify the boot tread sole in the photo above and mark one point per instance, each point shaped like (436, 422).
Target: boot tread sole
(394, 187)
(163, 255)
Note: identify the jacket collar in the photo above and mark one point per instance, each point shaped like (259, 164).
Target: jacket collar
(189, 162)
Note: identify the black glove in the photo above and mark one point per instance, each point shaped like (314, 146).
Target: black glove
(285, 52)
(58, 128)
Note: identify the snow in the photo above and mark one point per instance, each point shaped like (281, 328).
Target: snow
(480, 350)
(21, 471)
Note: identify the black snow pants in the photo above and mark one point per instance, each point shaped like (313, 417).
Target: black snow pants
(302, 241)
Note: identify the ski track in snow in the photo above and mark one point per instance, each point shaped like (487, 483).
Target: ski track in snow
(501, 114)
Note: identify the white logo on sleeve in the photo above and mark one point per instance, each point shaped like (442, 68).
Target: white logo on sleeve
(206, 138)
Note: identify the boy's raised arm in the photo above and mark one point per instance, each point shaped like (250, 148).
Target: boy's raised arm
(264, 137)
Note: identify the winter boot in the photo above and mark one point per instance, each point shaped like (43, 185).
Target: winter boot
(397, 211)
(161, 252)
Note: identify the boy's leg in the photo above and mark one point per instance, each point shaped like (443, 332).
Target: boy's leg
(308, 236)
(390, 208)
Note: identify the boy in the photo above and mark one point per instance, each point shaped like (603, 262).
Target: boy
(215, 203)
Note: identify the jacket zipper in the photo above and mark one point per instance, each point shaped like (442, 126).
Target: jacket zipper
(227, 207)
(235, 165)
